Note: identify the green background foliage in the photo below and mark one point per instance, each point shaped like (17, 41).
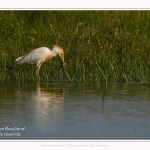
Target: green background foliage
(110, 46)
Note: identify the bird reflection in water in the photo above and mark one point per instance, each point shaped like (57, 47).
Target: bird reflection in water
(49, 98)
(42, 98)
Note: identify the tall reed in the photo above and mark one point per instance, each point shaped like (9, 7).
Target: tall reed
(109, 46)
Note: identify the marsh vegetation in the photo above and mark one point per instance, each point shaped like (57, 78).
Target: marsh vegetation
(101, 46)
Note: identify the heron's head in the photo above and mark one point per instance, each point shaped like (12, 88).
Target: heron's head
(59, 51)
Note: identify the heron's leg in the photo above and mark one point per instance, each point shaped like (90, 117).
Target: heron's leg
(38, 71)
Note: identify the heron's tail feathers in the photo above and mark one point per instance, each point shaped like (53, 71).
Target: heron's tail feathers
(19, 60)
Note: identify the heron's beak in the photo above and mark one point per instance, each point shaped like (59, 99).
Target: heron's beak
(62, 58)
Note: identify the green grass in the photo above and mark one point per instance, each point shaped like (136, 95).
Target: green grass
(101, 46)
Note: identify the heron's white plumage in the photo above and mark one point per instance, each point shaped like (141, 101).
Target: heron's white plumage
(37, 55)
(40, 55)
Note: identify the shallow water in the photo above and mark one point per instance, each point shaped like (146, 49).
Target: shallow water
(74, 111)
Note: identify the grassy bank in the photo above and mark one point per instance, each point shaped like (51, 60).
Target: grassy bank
(110, 46)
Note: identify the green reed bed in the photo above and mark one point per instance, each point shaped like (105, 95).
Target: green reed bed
(101, 46)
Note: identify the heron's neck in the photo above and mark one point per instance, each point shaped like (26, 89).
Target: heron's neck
(54, 53)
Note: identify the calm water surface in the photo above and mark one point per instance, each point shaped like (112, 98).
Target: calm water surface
(74, 111)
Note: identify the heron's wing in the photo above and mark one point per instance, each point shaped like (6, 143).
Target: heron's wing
(34, 56)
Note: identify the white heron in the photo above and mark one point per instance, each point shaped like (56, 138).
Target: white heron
(40, 55)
